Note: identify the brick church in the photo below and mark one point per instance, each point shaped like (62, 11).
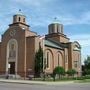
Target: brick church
(19, 44)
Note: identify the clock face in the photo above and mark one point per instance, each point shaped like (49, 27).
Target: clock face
(13, 32)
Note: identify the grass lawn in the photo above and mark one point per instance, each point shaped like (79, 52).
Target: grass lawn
(84, 81)
(51, 79)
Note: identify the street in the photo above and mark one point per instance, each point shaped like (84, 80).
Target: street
(74, 86)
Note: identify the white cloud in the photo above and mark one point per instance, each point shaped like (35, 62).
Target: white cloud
(84, 18)
(35, 3)
(83, 39)
(43, 8)
(71, 19)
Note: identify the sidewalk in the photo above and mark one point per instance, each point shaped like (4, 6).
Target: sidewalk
(34, 82)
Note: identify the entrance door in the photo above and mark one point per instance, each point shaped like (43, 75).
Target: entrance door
(12, 68)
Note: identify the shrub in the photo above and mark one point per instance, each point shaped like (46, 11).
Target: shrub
(71, 72)
(59, 71)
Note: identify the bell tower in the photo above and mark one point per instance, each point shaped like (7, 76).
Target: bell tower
(19, 18)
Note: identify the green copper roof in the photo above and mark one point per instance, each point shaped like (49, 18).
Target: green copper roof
(52, 44)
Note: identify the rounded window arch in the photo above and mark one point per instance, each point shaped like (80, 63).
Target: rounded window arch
(23, 19)
(59, 60)
(12, 48)
(49, 58)
(19, 19)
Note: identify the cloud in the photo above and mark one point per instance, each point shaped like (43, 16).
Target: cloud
(83, 39)
(45, 9)
(71, 19)
(35, 3)
(66, 19)
(44, 12)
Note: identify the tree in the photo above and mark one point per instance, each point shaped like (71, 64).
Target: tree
(87, 62)
(87, 65)
(39, 62)
(59, 71)
(71, 72)
(88, 72)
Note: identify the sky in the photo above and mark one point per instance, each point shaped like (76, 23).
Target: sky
(73, 14)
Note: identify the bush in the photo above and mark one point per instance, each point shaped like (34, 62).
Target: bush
(71, 72)
(58, 71)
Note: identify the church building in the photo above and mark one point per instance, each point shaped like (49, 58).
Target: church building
(19, 45)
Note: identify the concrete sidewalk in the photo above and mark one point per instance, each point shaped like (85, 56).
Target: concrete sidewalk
(35, 82)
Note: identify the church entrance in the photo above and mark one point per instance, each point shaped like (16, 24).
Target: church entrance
(11, 68)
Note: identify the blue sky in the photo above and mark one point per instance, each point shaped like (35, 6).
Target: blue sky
(73, 14)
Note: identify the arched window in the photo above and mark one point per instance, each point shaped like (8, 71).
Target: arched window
(12, 49)
(58, 59)
(23, 19)
(75, 64)
(47, 60)
(57, 30)
(19, 19)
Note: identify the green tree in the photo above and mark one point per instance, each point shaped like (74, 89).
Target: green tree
(87, 62)
(87, 65)
(59, 71)
(39, 62)
(71, 72)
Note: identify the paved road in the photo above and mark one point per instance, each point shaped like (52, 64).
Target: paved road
(10, 86)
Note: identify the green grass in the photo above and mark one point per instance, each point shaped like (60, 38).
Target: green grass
(76, 79)
(51, 79)
(83, 81)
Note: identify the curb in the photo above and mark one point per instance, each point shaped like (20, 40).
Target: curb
(22, 82)
(35, 82)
